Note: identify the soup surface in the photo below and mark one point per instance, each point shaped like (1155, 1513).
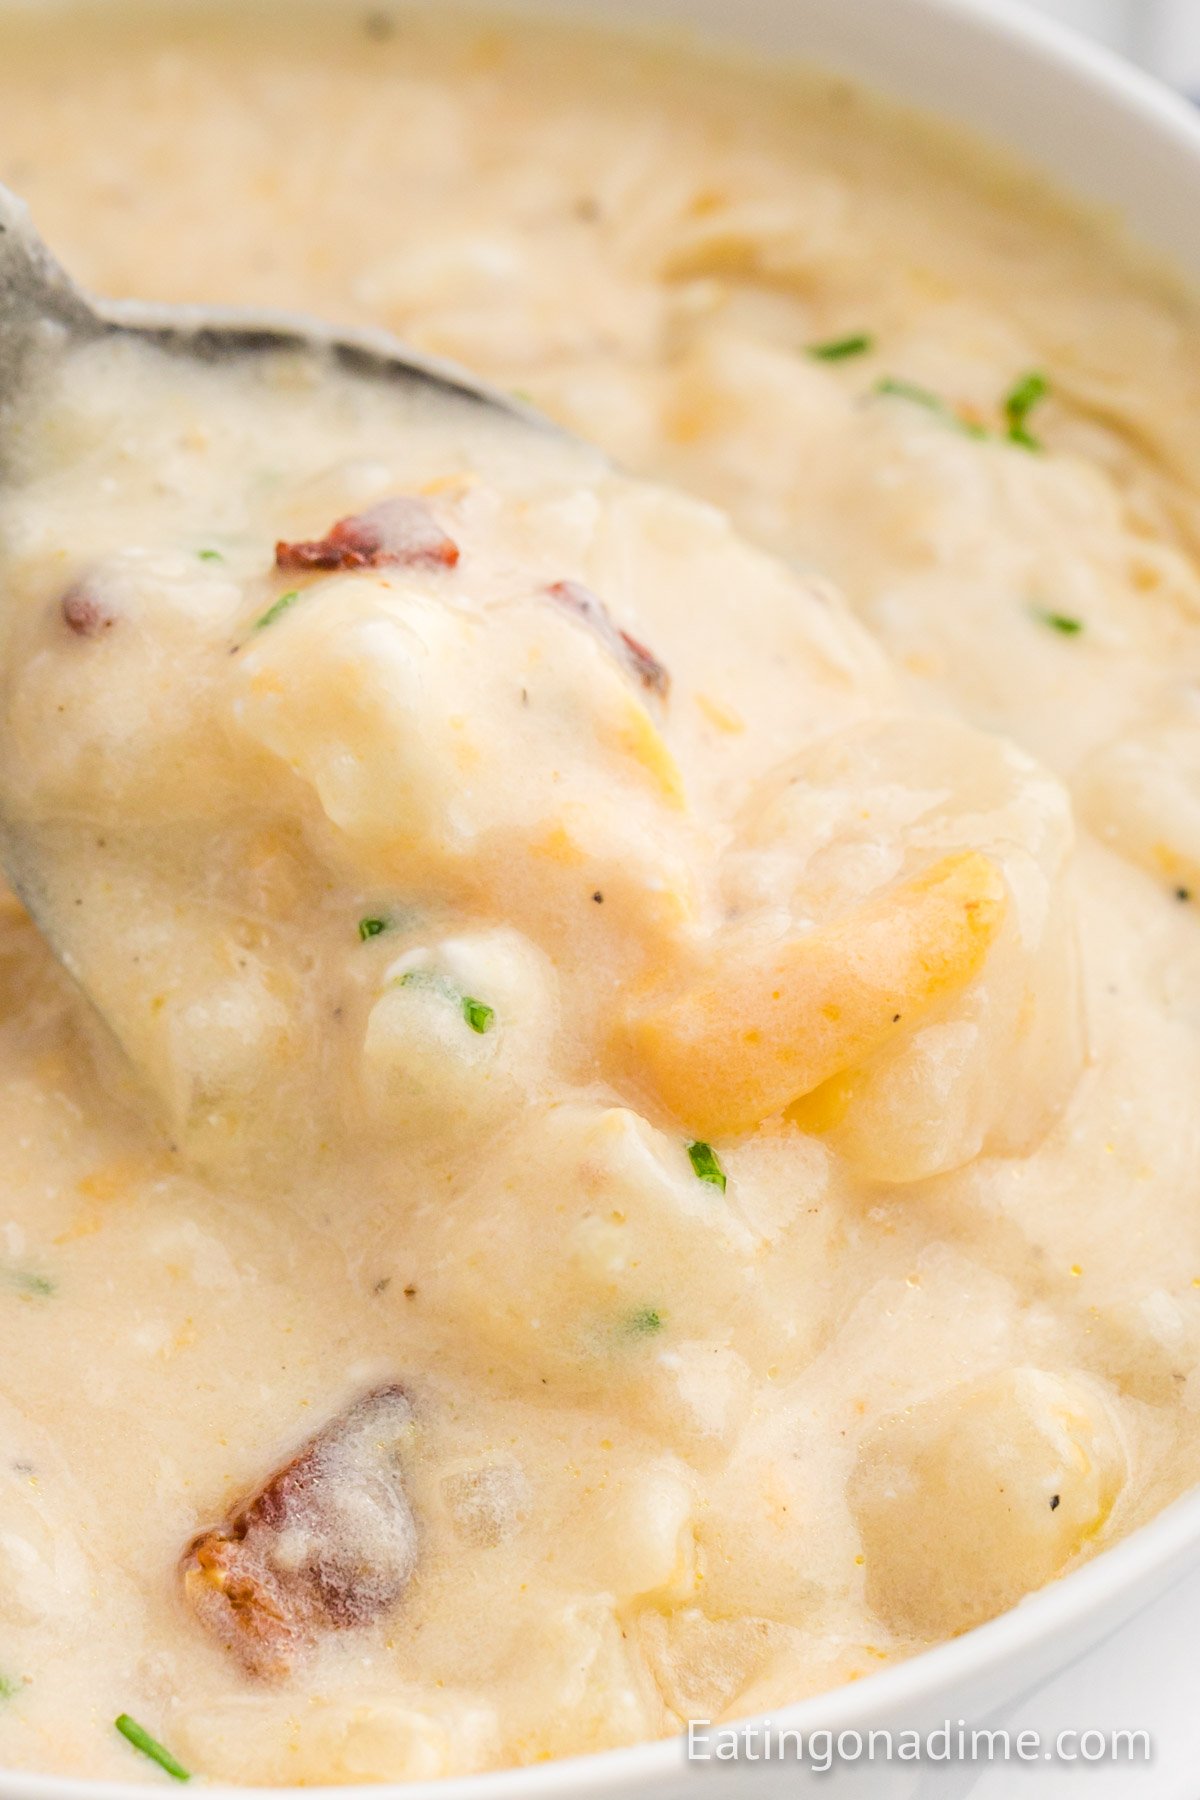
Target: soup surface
(641, 1164)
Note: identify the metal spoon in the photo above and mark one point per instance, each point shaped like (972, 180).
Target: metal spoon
(43, 312)
(40, 305)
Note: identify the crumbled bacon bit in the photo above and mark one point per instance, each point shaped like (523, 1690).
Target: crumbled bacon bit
(84, 613)
(638, 661)
(397, 531)
(329, 1542)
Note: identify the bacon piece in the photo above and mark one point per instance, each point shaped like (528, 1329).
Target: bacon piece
(329, 1542)
(84, 613)
(400, 531)
(639, 662)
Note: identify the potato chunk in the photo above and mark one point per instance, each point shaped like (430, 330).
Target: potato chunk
(328, 1542)
(626, 1257)
(992, 1065)
(458, 1035)
(1140, 793)
(436, 737)
(744, 1044)
(971, 1500)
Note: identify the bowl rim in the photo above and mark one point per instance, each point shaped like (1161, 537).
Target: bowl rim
(1112, 1579)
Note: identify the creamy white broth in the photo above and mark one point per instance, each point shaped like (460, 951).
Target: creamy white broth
(674, 1450)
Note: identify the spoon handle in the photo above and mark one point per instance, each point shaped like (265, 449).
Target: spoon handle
(36, 295)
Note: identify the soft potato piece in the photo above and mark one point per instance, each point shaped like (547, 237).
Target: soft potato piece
(344, 688)
(970, 1500)
(698, 1396)
(437, 737)
(755, 1550)
(121, 722)
(741, 1047)
(992, 1064)
(44, 1575)
(577, 1684)
(1140, 793)
(645, 1256)
(700, 1664)
(636, 1534)
(218, 1030)
(426, 1068)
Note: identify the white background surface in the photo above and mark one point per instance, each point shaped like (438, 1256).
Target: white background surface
(1163, 34)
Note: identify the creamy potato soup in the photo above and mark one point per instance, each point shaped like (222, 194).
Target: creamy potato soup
(624, 1147)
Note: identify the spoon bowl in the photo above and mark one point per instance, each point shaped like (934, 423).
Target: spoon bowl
(40, 304)
(43, 313)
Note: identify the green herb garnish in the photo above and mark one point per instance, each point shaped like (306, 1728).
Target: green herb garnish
(478, 1016)
(369, 928)
(1064, 623)
(27, 1282)
(210, 556)
(429, 978)
(919, 396)
(840, 349)
(9, 1689)
(645, 1322)
(1029, 392)
(281, 605)
(706, 1164)
(140, 1738)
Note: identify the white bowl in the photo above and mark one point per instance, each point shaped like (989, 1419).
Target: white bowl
(1113, 1645)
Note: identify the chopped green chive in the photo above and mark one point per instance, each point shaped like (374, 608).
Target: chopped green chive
(140, 1738)
(840, 349)
(281, 605)
(27, 1282)
(427, 978)
(1029, 392)
(706, 1164)
(9, 1689)
(523, 395)
(478, 1016)
(920, 396)
(210, 556)
(369, 928)
(645, 1322)
(1064, 623)
(908, 390)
